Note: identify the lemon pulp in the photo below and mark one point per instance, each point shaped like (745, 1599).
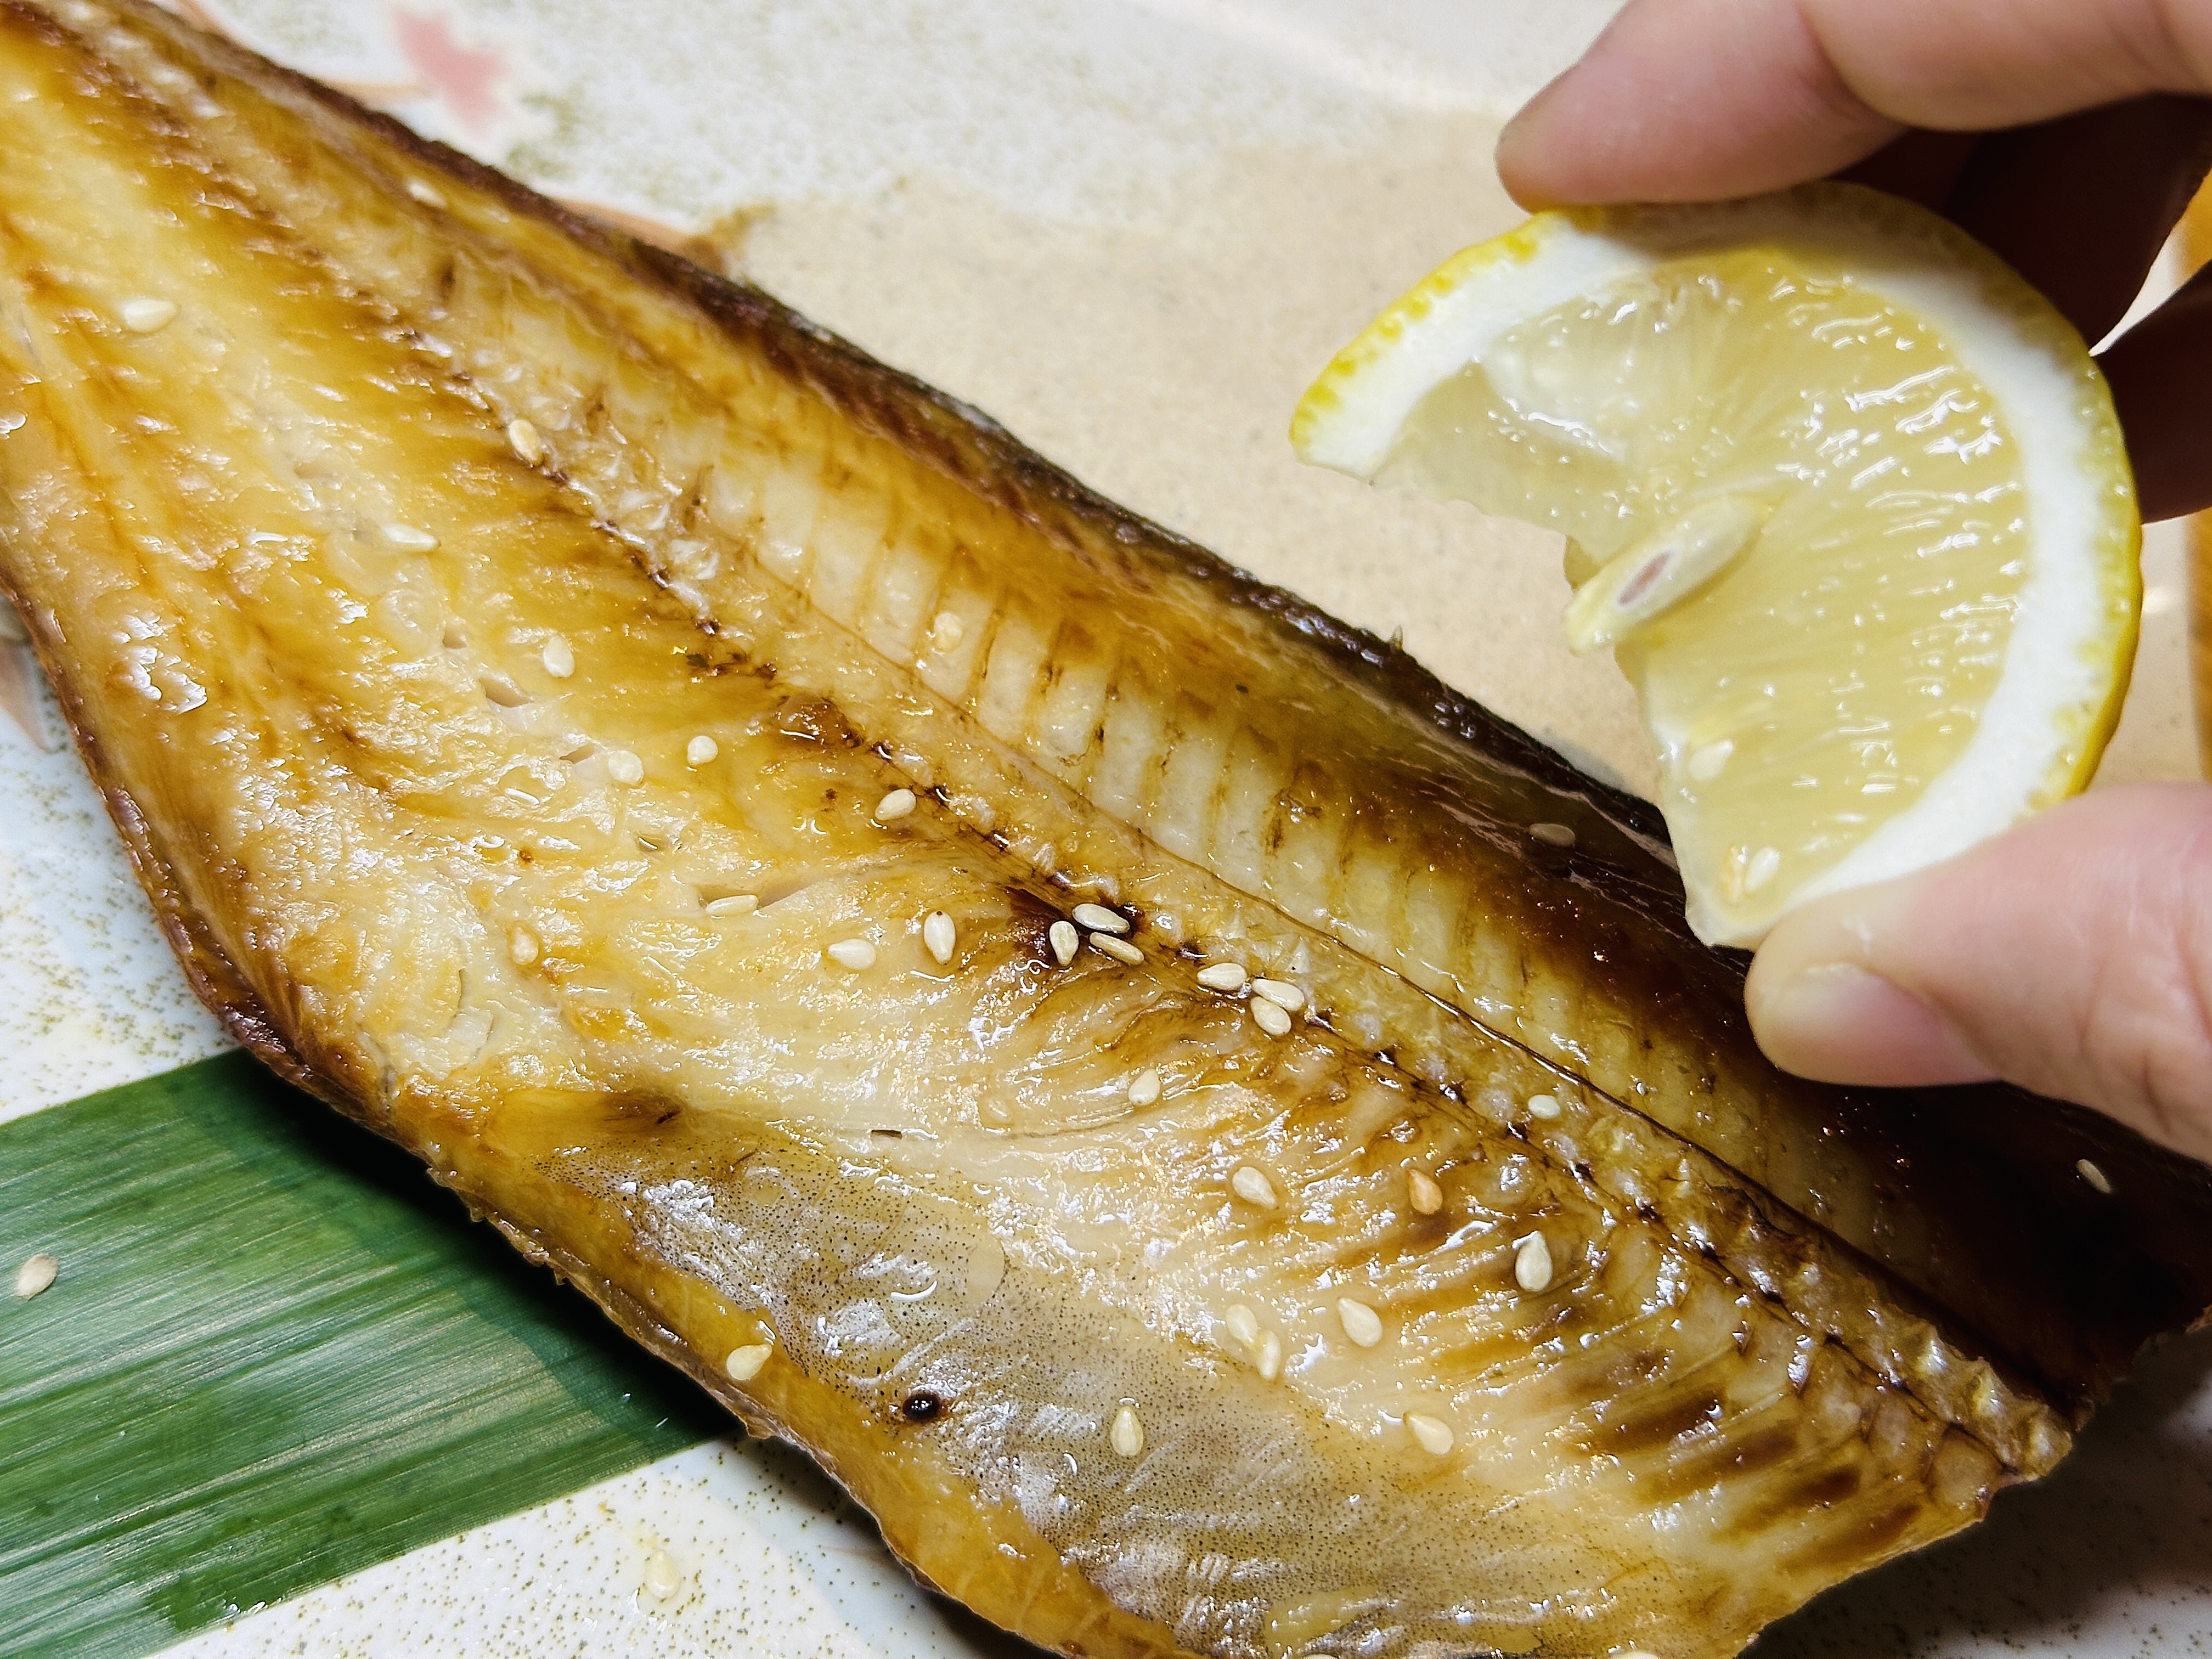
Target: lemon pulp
(1899, 609)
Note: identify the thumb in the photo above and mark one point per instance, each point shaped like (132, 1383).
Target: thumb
(2071, 955)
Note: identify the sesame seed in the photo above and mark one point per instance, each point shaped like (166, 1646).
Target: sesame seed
(559, 658)
(897, 805)
(1545, 1107)
(1253, 1186)
(2095, 1177)
(1766, 864)
(1270, 1018)
(1361, 1323)
(1099, 920)
(1271, 1357)
(1119, 949)
(663, 1577)
(1423, 1193)
(36, 1273)
(1065, 940)
(148, 316)
(853, 953)
(1433, 1433)
(1222, 976)
(937, 935)
(1280, 992)
(701, 750)
(522, 438)
(410, 537)
(1243, 1323)
(522, 947)
(946, 632)
(1532, 1263)
(1128, 1434)
(1706, 763)
(736, 904)
(624, 766)
(1144, 1088)
(427, 194)
(1553, 834)
(744, 1364)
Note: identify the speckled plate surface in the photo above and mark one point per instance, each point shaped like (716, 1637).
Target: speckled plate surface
(1333, 150)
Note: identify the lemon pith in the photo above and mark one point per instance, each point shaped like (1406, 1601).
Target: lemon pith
(1916, 608)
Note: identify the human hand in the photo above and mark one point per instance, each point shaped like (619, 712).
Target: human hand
(1695, 100)
(2072, 955)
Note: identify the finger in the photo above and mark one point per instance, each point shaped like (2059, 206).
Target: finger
(2158, 372)
(2081, 205)
(2071, 955)
(1686, 100)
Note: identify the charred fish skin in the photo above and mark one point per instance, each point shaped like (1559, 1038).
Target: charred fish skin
(394, 540)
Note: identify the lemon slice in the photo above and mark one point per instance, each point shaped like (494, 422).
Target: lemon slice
(1845, 496)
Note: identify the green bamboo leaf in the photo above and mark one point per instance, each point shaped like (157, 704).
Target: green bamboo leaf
(275, 1353)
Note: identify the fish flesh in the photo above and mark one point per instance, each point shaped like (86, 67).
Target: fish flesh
(1222, 1145)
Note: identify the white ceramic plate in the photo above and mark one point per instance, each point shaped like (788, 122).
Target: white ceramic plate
(1131, 228)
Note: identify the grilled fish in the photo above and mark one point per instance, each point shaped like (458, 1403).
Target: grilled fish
(1223, 1147)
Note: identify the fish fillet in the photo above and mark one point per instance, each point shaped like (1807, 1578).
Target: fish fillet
(1223, 1147)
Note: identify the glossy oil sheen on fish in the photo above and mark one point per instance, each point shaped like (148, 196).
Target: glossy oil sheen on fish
(1224, 1147)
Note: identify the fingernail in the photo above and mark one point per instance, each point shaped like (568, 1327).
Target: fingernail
(1837, 1023)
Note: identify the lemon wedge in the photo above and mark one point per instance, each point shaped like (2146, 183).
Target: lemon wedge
(1843, 494)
